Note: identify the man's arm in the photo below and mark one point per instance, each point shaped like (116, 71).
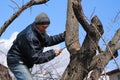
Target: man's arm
(35, 54)
(53, 40)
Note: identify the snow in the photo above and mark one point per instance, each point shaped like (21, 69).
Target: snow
(4, 47)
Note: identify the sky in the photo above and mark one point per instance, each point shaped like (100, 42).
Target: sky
(106, 10)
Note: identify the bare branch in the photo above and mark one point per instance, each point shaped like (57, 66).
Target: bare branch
(36, 2)
(116, 17)
(114, 20)
(77, 7)
(12, 7)
(16, 14)
(117, 46)
(93, 13)
(15, 3)
(116, 37)
(106, 56)
(110, 51)
(22, 2)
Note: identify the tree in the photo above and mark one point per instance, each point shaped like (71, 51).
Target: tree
(83, 58)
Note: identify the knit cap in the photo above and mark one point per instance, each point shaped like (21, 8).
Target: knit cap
(42, 18)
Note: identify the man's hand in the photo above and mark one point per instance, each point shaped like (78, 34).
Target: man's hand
(63, 35)
(57, 52)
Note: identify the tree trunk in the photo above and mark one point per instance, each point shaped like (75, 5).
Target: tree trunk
(83, 59)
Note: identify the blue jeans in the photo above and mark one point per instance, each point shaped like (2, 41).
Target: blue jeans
(20, 71)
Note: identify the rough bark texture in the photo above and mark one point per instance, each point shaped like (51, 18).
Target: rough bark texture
(85, 59)
(72, 43)
(71, 29)
(4, 73)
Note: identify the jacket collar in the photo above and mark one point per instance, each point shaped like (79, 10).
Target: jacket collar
(36, 32)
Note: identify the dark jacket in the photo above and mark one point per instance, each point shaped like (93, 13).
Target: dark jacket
(28, 47)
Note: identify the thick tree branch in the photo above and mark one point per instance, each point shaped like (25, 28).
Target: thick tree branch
(94, 32)
(117, 46)
(101, 60)
(71, 39)
(16, 14)
(77, 7)
(116, 37)
(113, 45)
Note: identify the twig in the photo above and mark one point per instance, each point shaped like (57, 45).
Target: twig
(22, 2)
(93, 13)
(15, 4)
(12, 7)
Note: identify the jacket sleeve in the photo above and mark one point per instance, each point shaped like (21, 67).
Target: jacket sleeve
(45, 57)
(35, 54)
(53, 40)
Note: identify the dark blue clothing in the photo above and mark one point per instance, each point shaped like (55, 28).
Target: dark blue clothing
(28, 47)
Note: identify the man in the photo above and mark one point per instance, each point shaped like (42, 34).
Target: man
(27, 49)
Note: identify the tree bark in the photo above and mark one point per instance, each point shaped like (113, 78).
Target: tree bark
(101, 60)
(72, 42)
(4, 73)
(83, 59)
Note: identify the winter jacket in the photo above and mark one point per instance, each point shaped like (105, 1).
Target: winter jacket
(28, 47)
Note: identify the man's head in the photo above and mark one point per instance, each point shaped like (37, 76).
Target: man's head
(42, 18)
(42, 21)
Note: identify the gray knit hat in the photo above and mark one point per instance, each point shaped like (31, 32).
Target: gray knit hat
(42, 18)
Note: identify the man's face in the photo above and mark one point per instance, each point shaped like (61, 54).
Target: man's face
(41, 27)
